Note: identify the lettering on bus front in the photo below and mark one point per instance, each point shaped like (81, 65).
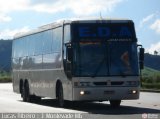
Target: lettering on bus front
(103, 32)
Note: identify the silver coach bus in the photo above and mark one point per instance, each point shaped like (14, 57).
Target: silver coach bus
(78, 60)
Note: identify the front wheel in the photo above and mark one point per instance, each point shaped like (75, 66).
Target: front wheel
(60, 96)
(115, 103)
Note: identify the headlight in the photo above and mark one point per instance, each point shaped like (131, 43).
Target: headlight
(84, 92)
(81, 92)
(132, 92)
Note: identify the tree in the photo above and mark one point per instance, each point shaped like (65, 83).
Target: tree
(155, 52)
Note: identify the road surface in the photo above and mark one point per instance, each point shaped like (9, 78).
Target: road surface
(149, 103)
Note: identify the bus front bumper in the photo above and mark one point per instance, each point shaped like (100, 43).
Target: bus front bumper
(105, 93)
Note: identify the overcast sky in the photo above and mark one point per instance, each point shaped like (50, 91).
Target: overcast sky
(23, 15)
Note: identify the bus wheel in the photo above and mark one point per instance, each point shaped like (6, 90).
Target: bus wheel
(115, 103)
(26, 95)
(60, 96)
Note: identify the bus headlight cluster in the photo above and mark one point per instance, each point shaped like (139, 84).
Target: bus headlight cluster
(133, 83)
(81, 92)
(132, 92)
(82, 84)
(84, 92)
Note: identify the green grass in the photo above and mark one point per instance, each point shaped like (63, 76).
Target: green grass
(151, 86)
(150, 78)
(5, 76)
(149, 72)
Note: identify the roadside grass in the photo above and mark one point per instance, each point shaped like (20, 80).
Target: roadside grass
(150, 79)
(151, 86)
(5, 77)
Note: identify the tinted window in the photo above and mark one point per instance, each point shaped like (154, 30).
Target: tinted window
(67, 34)
(57, 38)
(90, 60)
(47, 38)
(31, 45)
(38, 43)
(123, 58)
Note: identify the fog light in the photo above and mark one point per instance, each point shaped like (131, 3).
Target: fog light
(134, 91)
(81, 92)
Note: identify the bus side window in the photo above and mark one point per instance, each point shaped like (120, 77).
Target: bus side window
(67, 34)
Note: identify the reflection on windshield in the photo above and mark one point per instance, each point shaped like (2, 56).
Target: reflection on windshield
(105, 59)
(126, 61)
(88, 57)
(123, 58)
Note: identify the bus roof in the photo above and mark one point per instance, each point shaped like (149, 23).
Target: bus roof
(61, 22)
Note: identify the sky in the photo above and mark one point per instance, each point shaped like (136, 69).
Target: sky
(24, 15)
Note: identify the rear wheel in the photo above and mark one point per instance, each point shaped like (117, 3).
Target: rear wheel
(21, 88)
(60, 96)
(25, 92)
(115, 103)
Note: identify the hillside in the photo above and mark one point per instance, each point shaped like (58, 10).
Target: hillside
(149, 72)
(5, 54)
(152, 61)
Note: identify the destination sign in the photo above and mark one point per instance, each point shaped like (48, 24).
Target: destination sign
(104, 31)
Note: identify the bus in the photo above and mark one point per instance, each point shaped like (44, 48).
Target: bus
(78, 60)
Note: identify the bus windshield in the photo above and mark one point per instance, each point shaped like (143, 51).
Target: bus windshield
(104, 49)
(105, 59)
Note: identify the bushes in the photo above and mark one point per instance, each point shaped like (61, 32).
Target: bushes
(149, 79)
(5, 79)
(5, 76)
(151, 85)
(151, 82)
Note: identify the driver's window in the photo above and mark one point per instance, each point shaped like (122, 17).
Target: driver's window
(67, 38)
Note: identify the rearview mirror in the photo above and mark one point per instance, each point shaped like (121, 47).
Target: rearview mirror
(69, 62)
(141, 58)
(141, 54)
(69, 69)
(69, 53)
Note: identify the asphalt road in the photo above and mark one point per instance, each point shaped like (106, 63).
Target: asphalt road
(149, 103)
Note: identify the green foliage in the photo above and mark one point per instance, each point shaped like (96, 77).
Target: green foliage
(5, 76)
(150, 78)
(151, 85)
(148, 72)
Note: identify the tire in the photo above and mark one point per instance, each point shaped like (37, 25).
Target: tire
(21, 88)
(115, 103)
(60, 96)
(26, 95)
(22, 91)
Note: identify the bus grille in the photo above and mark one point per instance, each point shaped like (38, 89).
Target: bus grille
(100, 83)
(113, 83)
